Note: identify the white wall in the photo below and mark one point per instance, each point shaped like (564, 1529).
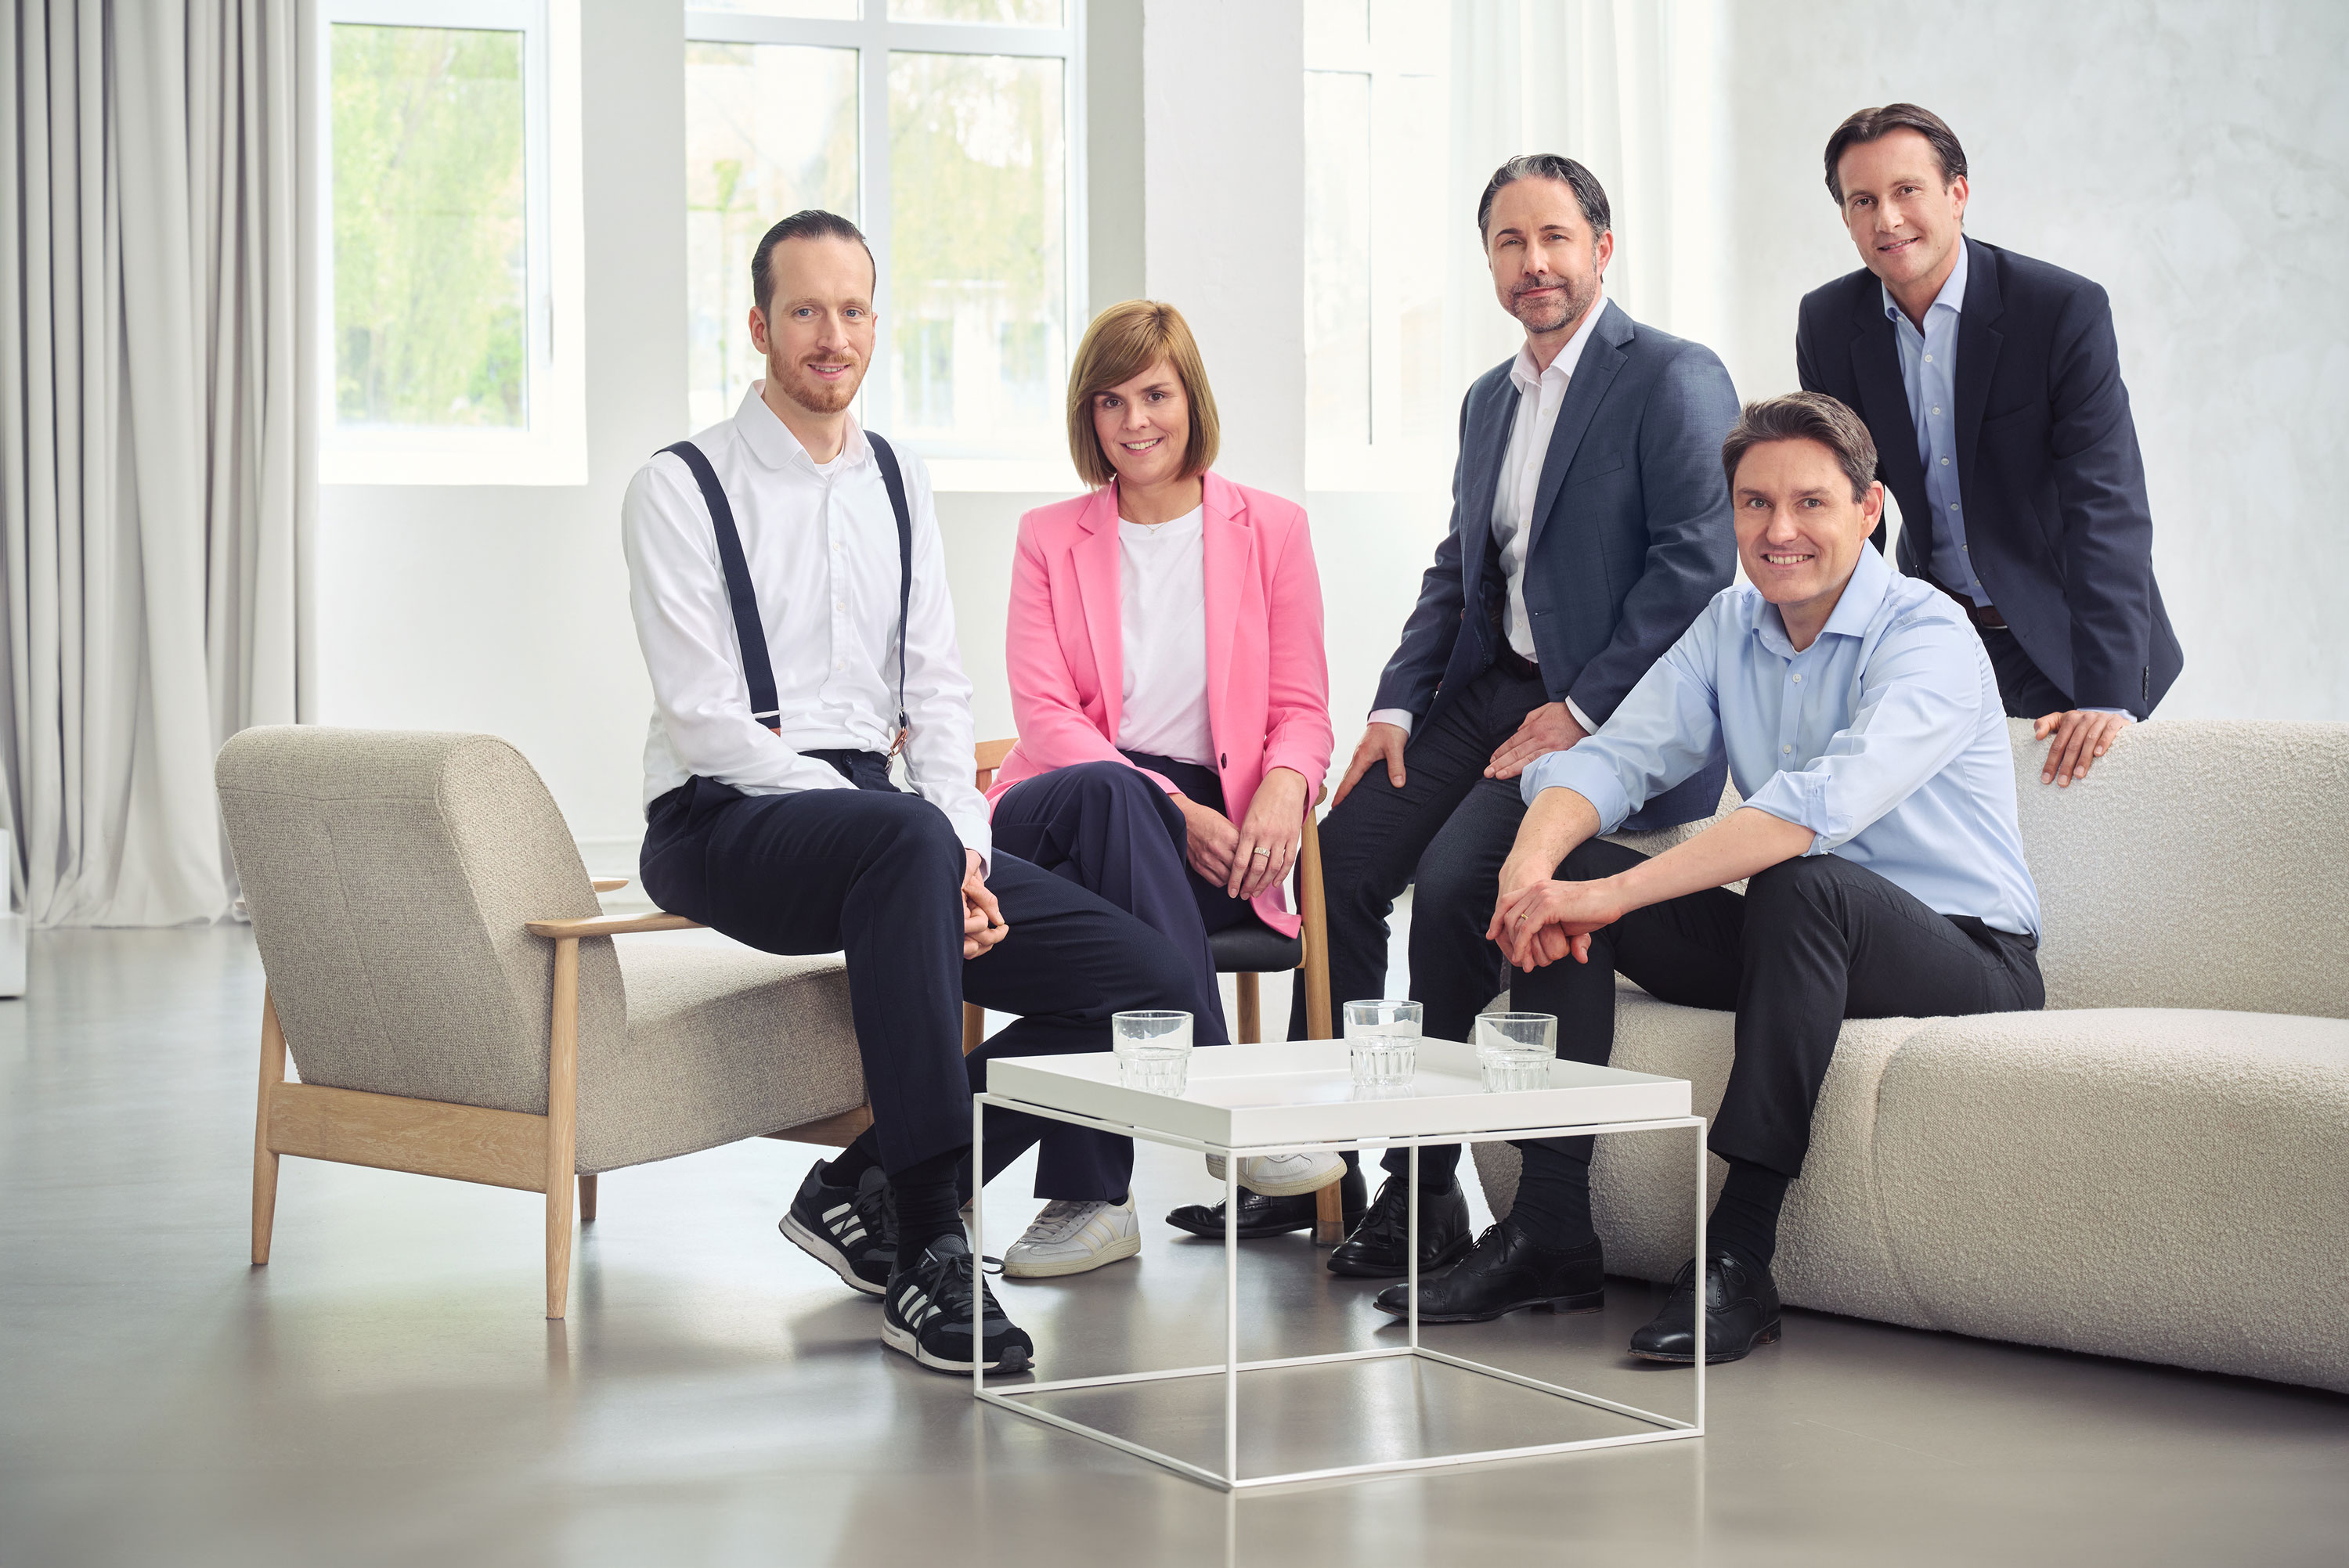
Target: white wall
(2192, 157)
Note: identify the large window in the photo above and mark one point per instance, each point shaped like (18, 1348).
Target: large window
(946, 130)
(451, 343)
(1378, 234)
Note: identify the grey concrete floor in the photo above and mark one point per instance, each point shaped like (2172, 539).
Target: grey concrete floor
(386, 1391)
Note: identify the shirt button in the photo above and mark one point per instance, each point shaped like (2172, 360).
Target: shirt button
(1953, 506)
(1945, 462)
(1799, 680)
(1929, 359)
(1786, 748)
(1937, 410)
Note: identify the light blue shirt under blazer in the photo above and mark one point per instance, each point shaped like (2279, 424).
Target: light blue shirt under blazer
(1886, 737)
(1928, 370)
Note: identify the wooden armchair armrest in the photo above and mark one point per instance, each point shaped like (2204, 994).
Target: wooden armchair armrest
(610, 924)
(608, 884)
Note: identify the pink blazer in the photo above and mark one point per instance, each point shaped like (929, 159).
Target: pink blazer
(1267, 673)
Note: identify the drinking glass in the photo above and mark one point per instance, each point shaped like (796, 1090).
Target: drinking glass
(1514, 1050)
(1153, 1050)
(1383, 1042)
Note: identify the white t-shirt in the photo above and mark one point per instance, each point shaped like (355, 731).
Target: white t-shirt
(1163, 618)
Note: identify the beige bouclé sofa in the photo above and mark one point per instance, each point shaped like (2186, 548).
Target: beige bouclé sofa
(2158, 1165)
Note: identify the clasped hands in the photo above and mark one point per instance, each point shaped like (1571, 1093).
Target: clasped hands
(1537, 920)
(1255, 854)
(982, 917)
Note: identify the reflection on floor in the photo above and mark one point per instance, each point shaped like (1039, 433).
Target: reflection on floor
(386, 1392)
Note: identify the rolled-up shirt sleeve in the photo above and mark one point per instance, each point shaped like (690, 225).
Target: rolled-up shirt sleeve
(938, 751)
(1664, 730)
(685, 624)
(1918, 705)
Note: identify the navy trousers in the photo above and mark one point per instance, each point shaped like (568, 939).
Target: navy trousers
(1448, 829)
(876, 873)
(1812, 942)
(1111, 830)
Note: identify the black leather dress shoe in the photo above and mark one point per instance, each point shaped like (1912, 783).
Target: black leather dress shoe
(1506, 1271)
(1261, 1216)
(1740, 1313)
(1376, 1248)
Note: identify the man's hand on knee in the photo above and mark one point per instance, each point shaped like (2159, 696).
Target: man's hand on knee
(1380, 743)
(1548, 728)
(982, 917)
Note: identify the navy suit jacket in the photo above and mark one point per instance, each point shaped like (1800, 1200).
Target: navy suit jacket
(2057, 527)
(1631, 537)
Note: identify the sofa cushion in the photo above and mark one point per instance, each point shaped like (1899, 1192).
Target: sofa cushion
(2197, 865)
(723, 1042)
(1832, 1252)
(2161, 1184)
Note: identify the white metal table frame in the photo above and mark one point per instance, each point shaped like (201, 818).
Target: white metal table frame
(1668, 1428)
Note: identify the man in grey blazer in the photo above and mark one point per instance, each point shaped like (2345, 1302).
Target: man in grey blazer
(1590, 525)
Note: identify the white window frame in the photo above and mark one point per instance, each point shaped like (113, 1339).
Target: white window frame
(875, 36)
(552, 447)
(1386, 461)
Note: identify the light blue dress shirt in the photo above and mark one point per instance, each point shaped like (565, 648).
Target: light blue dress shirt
(1885, 737)
(1928, 370)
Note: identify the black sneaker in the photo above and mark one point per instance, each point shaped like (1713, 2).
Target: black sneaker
(927, 1314)
(853, 1231)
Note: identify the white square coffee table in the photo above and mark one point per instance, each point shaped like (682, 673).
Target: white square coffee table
(1299, 1096)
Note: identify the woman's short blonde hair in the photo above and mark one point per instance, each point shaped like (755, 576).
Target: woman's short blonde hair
(1122, 342)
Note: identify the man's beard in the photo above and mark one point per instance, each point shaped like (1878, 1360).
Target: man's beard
(814, 395)
(1579, 294)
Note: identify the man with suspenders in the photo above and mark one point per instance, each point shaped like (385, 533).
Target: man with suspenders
(789, 589)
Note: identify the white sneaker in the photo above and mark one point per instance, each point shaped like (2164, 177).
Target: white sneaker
(1073, 1235)
(1282, 1175)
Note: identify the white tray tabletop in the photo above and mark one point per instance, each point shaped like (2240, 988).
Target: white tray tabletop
(1302, 1091)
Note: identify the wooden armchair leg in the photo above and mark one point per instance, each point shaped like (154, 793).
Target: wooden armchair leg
(562, 1127)
(264, 1159)
(586, 1199)
(1251, 1010)
(973, 1027)
(1329, 1215)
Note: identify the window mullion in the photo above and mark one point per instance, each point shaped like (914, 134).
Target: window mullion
(872, 140)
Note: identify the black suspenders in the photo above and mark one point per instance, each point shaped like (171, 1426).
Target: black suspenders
(758, 670)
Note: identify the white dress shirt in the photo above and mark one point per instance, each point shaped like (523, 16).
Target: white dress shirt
(1163, 631)
(821, 547)
(1540, 393)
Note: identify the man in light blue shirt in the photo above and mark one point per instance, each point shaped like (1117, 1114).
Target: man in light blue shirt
(1861, 724)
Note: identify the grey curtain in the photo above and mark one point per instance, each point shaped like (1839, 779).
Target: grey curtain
(156, 437)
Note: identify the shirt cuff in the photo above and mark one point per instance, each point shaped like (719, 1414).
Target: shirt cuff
(1580, 717)
(1801, 799)
(1584, 774)
(2122, 711)
(1398, 716)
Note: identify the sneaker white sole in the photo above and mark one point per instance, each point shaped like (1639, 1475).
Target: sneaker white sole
(1053, 1268)
(821, 1249)
(902, 1340)
(1280, 1189)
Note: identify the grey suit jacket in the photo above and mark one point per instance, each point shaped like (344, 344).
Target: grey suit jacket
(1631, 537)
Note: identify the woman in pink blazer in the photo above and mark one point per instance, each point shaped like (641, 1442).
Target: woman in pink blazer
(1173, 698)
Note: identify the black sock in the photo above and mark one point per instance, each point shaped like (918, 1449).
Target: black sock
(852, 1162)
(927, 1206)
(1553, 1205)
(1745, 1216)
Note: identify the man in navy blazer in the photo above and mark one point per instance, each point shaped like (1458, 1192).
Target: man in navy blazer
(1991, 384)
(1591, 526)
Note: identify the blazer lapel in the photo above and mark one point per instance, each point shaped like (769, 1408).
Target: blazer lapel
(1602, 357)
(1095, 556)
(1486, 441)
(1884, 405)
(1228, 560)
(1978, 347)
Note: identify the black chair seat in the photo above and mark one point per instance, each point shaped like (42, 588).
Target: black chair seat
(1252, 948)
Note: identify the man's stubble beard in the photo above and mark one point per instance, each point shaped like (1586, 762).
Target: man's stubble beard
(813, 395)
(1581, 294)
